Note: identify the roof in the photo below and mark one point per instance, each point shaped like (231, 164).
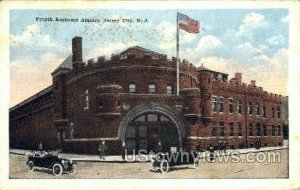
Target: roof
(35, 96)
(66, 64)
(202, 68)
(143, 49)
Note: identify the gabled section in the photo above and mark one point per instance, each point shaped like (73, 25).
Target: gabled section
(64, 67)
(140, 52)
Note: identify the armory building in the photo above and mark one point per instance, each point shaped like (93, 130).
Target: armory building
(131, 98)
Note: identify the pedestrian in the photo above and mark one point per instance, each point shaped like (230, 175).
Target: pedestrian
(124, 153)
(158, 148)
(220, 146)
(211, 153)
(224, 146)
(101, 148)
(257, 144)
(41, 148)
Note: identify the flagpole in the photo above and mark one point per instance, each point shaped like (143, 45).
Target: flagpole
(177, 55)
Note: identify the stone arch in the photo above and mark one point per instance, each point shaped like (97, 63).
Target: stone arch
(151, 108)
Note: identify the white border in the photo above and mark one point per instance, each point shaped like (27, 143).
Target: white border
(294, 91)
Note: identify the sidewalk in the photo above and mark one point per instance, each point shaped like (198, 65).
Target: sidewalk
(118, 158)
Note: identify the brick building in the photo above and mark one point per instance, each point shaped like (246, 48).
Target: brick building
(131, 98)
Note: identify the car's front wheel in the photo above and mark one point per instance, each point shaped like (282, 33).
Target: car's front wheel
(30, 166)
(164, 166)
(57, 169)
(154, 165)
(72, 169)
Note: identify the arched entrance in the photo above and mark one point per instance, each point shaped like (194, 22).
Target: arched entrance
(144, 126)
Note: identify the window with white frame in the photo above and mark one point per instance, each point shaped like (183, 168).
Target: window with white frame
(87, 103)
(250, 130)
(239, 107)
(231, 132)
(214, 130)
(222, 129)
(131, 88)
(278, 112)
(250, 108)
(214, 103)
(169, 89)
(221, 104)
(257, 109)
(230, 105)
(278, 130)
(151, 88)
(273, 130)
(265, 130)
(257, 129)
(264, 111)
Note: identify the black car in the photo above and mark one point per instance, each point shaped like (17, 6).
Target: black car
(52, 162)
(163, 161)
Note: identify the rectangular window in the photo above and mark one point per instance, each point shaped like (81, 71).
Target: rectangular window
(214, 131)
(257, 129)
(169, 89)
(214, 103)
(222, 129)
(87, 103)
(250, 132)
(264, 111)
(279, 130)
(221, 104)
(132, 88)
(151, 89)
(278, 112)
(250, 108)
(273, 112)
(231, 133)
(257, 109)
(239, 107)
(240, 133)
(265, 130)
(230, 105)
(273, 130)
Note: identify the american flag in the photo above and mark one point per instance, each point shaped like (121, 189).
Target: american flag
(187, 24)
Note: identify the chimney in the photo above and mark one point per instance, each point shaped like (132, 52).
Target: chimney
(76, 50)
(253, 83)
(238, 77)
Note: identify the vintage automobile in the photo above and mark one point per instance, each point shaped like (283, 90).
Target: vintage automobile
(52, 162)
(163, 161)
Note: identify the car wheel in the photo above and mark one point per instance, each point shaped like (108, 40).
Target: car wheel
(196, 163)
(71, 169)
(154, 165)
(164, 166)
(57, 169)
(30, 166)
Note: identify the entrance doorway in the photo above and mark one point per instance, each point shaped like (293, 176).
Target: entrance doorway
(145, 131)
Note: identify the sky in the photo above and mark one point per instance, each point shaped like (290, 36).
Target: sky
(251, 41)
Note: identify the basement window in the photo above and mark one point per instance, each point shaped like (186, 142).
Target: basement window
(132, 88)
(151, 88)
(169, 89)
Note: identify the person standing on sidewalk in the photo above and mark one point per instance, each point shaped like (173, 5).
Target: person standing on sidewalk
(41, 148)
(211, 153)
(224, 146)
(101, 148)
(158, 148)
(124, 153)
